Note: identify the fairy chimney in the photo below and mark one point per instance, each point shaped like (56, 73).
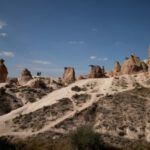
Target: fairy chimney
(69, 75)
(132, 65)
(149, 61)
(96, 72)
(3, 71)
(25, 77)
(117, 69)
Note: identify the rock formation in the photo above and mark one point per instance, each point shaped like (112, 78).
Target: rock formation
(25, 77)
(149, 61)
(133, 64)
(96, 72)
(69, 75)
(3, 71)
(117, 69)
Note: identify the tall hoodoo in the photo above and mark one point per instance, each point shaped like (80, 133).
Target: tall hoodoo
(117, 69)
(96, 72)
(25, 77)
(133, 64)
(149, 61)
(3, 71)
(69, 75)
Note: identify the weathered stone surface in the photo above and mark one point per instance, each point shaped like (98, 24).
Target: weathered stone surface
(132, 65)
(3, 71)
(25, 77)
(149, 61)
(69, 75)
(96, 72)
(117, 69)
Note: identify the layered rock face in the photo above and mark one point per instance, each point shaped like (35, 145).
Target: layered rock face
(117, 69)
(69, 75)
(133, 64)
(3, 71)
(96, 72)
(25, 76)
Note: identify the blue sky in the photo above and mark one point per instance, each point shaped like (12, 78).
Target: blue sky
(46, 35)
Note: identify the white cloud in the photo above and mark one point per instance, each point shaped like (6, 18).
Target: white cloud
(3, 34)
(76, 42)
(103, 59)
(7, 54)
(98, 59)
(2, 24)
(41, 62)
(72, 42)
(94, 29)
(81, 42)
(92, 57)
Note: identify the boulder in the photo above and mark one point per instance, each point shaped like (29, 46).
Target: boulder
(3, 71)
(132, 65)
(117, 69)
(96, 72)
(69, 75)
(25, 77)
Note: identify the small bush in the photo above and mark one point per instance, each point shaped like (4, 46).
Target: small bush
(84, 138)
(91, 113)
(81, 97)
(139, 145)
(6, 145)
(78, 89)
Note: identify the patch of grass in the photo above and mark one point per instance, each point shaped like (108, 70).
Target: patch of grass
(81, 98)
(85, 138)
(91, 113)
(78, 89)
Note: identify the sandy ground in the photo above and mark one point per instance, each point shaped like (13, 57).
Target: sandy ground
(2, 84)
(95, 86)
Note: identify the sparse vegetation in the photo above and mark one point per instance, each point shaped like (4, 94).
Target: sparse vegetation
(37, 119)
(90, 114)
(78, 89)
(85, 138)
(81, 98)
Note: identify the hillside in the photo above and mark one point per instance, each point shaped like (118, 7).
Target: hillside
(116, 107)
